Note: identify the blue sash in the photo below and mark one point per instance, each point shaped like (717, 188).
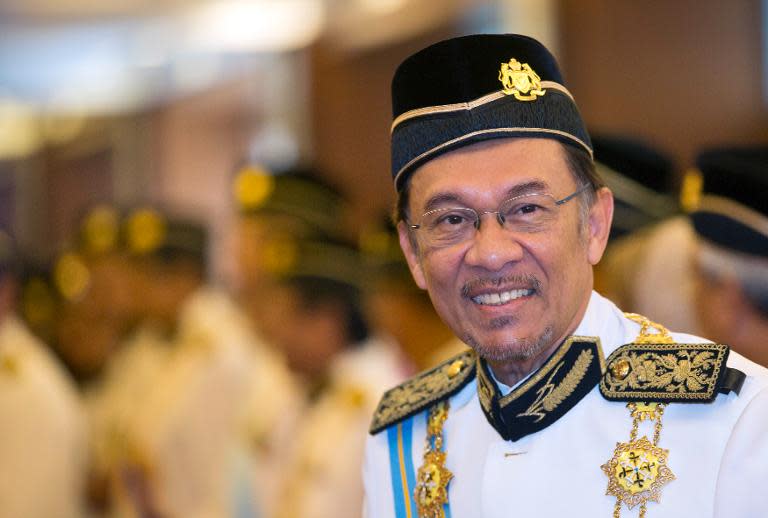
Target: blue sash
(402, 471)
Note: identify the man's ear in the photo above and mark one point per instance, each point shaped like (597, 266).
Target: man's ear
(411, 255)
(599, 225)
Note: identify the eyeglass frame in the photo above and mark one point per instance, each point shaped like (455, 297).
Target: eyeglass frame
(499, 217)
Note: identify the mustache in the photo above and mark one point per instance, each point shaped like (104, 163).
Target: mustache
(527, 281)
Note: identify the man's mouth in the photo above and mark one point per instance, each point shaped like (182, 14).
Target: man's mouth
(501, 298)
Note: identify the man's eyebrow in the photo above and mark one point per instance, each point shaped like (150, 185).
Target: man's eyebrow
(534, 186)
(441, 198)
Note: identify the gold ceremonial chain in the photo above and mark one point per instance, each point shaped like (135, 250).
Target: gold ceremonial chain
(431, 491)
(638, 469)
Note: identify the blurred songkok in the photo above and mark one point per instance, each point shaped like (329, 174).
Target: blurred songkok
(731, 223)
(297, 198)
(650, 240)
(640, 177)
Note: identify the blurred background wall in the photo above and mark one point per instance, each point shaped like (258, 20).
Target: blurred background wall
(139, 101)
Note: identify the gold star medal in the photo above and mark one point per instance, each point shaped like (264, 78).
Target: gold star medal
(637, 472)
(638, 469)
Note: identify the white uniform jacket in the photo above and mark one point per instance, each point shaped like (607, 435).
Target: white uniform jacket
(43, 433)
(718, 451)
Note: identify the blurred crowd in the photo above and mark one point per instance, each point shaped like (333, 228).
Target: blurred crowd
(132, 386)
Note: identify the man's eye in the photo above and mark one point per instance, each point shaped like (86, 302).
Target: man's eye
(527, 209)
(455, 219)
(451, 220)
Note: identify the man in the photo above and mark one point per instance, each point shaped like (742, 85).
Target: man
(647, 226)
(275, 212)
(501, 218)
(731, 257)
(319, 324)
(179, 414)
(43, 438)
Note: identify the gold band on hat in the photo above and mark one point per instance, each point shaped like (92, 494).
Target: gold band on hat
(735, 211)
(558, 133)
(470, 105)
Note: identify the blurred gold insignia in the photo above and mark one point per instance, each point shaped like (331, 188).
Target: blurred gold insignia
(145, 231)
(71, 276)
(691, 189)
(252, 187)
(101, 230)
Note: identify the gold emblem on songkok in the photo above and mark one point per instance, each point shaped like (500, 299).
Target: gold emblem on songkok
(520, 80)
(637, 472)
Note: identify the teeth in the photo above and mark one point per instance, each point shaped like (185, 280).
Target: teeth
(496, 299)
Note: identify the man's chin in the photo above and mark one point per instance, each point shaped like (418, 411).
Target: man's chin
(510, 349)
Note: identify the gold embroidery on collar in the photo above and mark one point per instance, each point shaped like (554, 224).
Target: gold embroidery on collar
(550, 396)
(545, 369)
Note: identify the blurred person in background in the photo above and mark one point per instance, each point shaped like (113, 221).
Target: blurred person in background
(397, 308)
(650, 238)
(182, 450)
(274, 212)
(134, 368)
(730, 258)
(43, 437)
(320, 325)
(94, 283)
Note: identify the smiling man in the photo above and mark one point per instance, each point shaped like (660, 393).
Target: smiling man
(563, 405)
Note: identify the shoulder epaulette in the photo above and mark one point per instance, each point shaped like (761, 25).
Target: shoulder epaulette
(423, 390)
(669, 372)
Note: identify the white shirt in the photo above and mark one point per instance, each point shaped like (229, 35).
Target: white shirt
(718, 452)
(43, 431)
(324, 478)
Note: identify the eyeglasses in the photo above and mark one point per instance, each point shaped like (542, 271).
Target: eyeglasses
(526, 213)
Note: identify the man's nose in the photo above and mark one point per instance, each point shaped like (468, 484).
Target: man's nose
(493, 246)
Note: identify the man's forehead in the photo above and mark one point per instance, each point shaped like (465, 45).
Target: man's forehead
(501, 167)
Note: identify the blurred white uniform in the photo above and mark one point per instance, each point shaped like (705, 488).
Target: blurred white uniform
(657, 256)
(129, 380)
(325, 476)
(43, 431)
(195, 433)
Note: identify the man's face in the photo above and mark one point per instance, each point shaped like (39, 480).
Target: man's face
(509, 294)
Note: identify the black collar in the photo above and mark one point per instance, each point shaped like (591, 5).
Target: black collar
(548, 394)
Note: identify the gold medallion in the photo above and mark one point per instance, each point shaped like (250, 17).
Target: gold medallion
(637, 472)
(520, 80)
(432, 485)
(431, 492)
